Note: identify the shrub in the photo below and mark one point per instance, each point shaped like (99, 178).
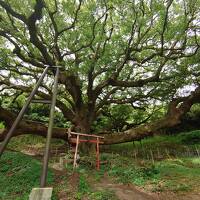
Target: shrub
(191, 137)
(2, 125)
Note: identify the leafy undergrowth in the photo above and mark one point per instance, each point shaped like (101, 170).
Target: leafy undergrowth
(28, 142)
(85, 190)
(174, 175)
(166, 175)
(160, 163)
(79, 185)
(178, 174)
(19, 173)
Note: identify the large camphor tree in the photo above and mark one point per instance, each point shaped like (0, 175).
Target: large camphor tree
(138, 52)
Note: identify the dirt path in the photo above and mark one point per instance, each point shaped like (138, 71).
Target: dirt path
(174, 196)
(123, 192)
(129, 192)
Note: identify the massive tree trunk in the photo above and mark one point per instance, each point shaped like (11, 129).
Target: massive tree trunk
(177, 108)
(82, 124)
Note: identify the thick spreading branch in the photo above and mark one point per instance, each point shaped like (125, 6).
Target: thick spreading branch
(28, 127)
(177, 108)
(31, 23)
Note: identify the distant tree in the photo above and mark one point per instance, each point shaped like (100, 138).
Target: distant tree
(111, 53)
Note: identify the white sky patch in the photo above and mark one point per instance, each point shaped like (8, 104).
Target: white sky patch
(186, 90)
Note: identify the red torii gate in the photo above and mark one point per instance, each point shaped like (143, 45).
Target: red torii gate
(76, 140)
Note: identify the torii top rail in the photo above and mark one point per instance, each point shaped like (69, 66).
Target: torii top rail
(95, 139)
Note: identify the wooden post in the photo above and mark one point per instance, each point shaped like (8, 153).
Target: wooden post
(97, 155)
(76, 151)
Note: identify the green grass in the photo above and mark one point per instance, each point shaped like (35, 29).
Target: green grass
(88, 177)
(83, 187)
(26, 141)
(177, 170)
(165, 146)
(160, 163)
(103, 195)
(179, 174)
(18, 175)
(126, 170)
(167, 175)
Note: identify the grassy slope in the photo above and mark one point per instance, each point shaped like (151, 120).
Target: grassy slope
(167, 163)
(18, 175)
(181, 145)
(158, 164)
(181, 174)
